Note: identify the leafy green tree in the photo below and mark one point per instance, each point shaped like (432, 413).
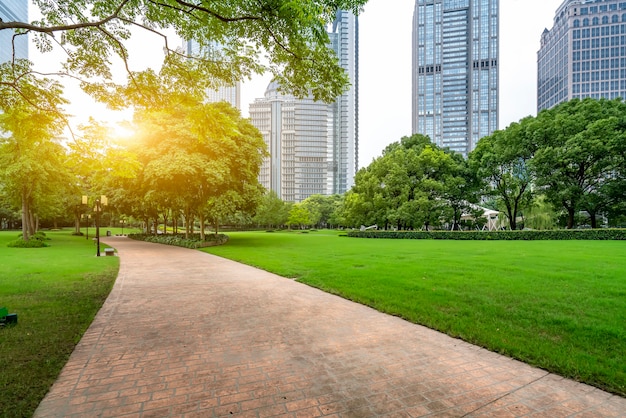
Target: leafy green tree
(322, 208)
(271, 211)
(32, 169)
(501, 160)
(284, 37)
(579, 159)
(299, 216)
(405, 187)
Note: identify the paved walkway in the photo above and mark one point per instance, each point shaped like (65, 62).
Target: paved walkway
(184, 333)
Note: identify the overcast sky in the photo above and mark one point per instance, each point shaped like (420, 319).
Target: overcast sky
(385, 69)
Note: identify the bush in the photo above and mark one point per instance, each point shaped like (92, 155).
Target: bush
(179, 240)
(31, 243)
(561, 234)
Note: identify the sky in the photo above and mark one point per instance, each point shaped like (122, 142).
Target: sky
(385, 69)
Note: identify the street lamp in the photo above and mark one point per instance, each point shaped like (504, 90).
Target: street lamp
(100, 202)
(122, 221)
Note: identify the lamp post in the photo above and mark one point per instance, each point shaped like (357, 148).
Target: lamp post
(122, 221)
(100, 202)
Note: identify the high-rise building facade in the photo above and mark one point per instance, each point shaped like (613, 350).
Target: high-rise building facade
(313, 146)
(455, 71)
(584, 54)
(229, 94)
(296, 132)
(10, 46)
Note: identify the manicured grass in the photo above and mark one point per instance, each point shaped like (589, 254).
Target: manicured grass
(56, 292)
(558, 305)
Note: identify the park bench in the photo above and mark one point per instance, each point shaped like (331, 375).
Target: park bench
(6, 318)
(109, 251)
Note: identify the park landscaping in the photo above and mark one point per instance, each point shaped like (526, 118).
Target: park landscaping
(56, 292)
(558, 305)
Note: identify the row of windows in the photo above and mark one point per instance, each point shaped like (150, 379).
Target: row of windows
(599, 86)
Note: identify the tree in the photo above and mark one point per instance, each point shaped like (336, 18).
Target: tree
(284, 37)
(501, 160)
(271, 211)
(299, 216)
(405, 187)
(579, 159)
(32, 168)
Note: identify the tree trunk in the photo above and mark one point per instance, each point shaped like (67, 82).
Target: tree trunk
(570, 217)
(25, 218)
(165, 217)
(202, 222)
(34, 222)
(592, 217)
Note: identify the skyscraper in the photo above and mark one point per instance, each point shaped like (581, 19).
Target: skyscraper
(229, 94)
(455, 71)
(297, 133)
(17, 11)
(584, 54)
(313, 146)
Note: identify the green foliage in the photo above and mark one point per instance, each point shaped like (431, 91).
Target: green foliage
(300, 216)
(272, 211)
(571, 234)
(180, 240)
(573, 155)
(286, 38)
(31, 243)
(558, 305)
(413, 184)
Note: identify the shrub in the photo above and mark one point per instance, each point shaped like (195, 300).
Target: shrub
(179, 240)
(31, 243)
(561, 234)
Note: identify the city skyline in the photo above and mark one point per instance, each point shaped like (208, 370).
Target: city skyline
(385, 69)
(312, 145)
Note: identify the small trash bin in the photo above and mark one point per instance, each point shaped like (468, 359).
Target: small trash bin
(108, 233)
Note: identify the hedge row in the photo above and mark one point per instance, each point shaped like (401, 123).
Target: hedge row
(179, 240)
(573, 234)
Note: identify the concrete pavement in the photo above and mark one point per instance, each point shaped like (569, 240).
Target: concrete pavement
(188, 334)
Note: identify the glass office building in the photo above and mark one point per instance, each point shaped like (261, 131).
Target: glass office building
(455, 71)
(313, 146)
(13, 11)
(296, 132)
(230, 94)
(584, 54)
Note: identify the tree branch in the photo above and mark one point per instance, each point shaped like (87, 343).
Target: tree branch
(63, 28)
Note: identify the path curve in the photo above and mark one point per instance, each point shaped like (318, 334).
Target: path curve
(185, 333)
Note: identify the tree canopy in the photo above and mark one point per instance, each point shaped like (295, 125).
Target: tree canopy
(236, 39)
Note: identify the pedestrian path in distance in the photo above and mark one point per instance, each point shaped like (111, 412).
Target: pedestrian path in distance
(188, 334)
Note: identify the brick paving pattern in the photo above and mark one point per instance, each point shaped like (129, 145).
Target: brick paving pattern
(188, 334)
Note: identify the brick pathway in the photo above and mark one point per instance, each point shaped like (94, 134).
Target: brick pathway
(184, 333)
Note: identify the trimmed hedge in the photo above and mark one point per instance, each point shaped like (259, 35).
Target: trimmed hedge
(36, 240)
(560, 234)
(179, 240)
(31, 243)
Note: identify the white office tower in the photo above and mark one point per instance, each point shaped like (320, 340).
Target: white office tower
(296, 132)
(230, 94)
(313, 146)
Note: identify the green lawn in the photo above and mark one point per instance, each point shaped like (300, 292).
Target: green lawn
(56, 292)
(559, 305)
